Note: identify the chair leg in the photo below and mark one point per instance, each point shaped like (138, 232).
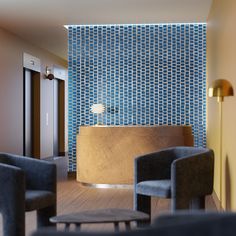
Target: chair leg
(143, 203)
(44, 214)
(198, 203)
(179, 204)
(13, 222)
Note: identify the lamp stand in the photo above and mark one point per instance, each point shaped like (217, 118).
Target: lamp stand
(221, 157)
(100, 119)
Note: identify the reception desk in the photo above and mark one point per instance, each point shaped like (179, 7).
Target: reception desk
(105, 154)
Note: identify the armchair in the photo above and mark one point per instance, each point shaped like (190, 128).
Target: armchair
(179, 224)
(184, 174)
(26, 184)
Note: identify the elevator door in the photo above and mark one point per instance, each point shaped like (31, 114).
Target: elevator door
(58, 117)
(31, 142)
(27, 114)
(55, 118)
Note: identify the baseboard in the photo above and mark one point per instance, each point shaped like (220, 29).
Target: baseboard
(217, 201)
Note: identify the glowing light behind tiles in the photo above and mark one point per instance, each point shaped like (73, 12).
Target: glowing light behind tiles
(143, 74)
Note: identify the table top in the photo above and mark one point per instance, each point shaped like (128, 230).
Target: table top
(101, 216)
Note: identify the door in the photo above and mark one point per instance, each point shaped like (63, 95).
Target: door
(59, 118)
(31, 126)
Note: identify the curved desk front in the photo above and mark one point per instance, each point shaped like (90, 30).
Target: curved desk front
(105, 154)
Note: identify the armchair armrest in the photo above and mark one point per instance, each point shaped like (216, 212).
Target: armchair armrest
(193, 175)
(12, 187)
(39, 174)
(154, 166)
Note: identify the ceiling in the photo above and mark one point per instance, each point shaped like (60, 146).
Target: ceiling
(41, 21)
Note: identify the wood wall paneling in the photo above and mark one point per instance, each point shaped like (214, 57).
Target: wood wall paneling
(105, 155)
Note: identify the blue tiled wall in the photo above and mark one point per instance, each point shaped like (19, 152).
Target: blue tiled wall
(143, 74)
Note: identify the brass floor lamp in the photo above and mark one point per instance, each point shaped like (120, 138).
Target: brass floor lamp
(220, 88)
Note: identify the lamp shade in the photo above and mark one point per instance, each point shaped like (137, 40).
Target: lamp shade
(220, 88)
(97, 108)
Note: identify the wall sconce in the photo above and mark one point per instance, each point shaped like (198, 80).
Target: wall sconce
(49, 74)
(98, 109)
(220, 88)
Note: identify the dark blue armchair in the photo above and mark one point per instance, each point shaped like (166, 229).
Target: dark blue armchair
(26, 184)
(179, 224)
(184, 174)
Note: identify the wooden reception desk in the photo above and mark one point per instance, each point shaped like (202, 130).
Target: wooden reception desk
(105, 154)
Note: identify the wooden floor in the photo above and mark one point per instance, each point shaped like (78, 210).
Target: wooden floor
(73, 197)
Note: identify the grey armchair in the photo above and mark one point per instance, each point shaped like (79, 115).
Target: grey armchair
(26, 184)
(184, 174)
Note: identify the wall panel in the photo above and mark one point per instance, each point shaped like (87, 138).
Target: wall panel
(143, 74)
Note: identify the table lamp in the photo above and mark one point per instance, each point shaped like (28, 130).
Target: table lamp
(98, 109)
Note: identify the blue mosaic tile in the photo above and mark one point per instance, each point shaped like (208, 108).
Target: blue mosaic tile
(143, 74)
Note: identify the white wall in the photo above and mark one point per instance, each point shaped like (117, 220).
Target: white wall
(11, 94)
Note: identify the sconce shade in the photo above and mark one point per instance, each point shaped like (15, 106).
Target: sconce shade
(97, 108)
(48, 74)
(221, 88)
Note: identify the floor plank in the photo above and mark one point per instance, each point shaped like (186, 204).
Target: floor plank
(73, 197)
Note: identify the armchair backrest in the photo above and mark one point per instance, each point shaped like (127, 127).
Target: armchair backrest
(39, 174)
(4, 159)
(156, 165)
(182, 152)
(192, 172)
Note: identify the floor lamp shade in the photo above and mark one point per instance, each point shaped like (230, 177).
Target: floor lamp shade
(221, 88)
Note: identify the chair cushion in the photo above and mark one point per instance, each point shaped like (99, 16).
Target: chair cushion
(159, 188)
(36, 199)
